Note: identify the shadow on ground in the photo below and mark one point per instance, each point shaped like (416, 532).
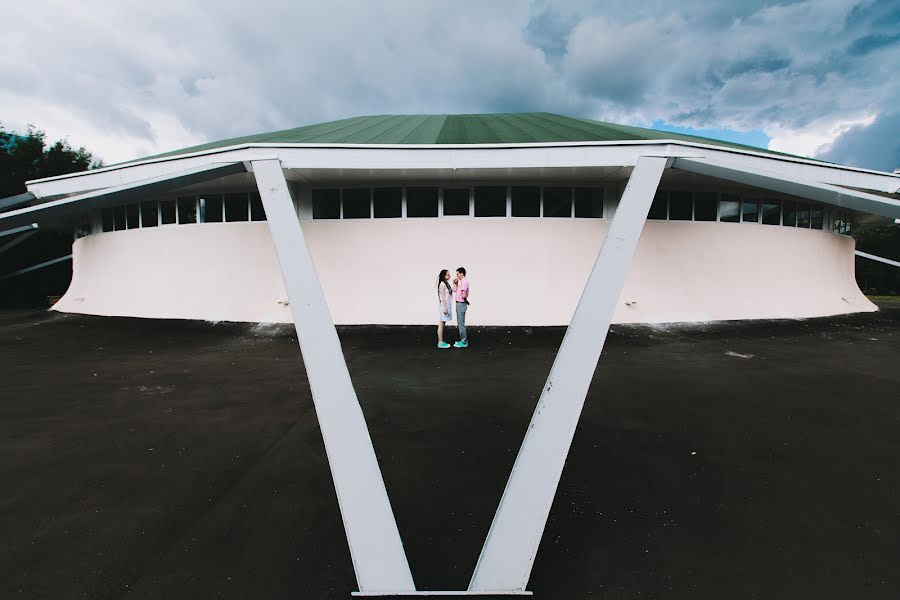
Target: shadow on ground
(168, 459)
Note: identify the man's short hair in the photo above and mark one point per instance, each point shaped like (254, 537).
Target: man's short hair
(461, 270)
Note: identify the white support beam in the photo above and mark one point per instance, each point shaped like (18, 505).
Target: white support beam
(17, 240)
(880, 259)
(512, 542)
(795, 186)
(375, 546)
(16, 230)
(42, 265)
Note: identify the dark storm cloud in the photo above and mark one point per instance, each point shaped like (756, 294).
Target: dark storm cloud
(876, 146)
(143, 77)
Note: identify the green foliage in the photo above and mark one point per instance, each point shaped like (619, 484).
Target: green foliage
(26, 157)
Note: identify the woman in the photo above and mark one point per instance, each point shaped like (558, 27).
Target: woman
(445, 305)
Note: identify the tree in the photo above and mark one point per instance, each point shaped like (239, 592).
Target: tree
(23, 158)
(26, 157)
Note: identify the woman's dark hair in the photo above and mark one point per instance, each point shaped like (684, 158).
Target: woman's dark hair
(441, 280)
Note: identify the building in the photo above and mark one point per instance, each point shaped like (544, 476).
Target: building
(559, 221)
(522, 200)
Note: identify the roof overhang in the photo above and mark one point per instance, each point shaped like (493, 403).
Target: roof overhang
(458, 162)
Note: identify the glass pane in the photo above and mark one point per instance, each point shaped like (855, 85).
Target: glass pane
(106, 216)
(817, 217)
(236, 207)
(167, 212)
(388, 203)
(133, 216)
(729, 209)
(681, 206)
(705, 205)
(589, 203)
(456, 202)
(750, 211)
(659, 209)
(326, 204)
(490, 201)
(187, 210)
(211, 208)
(557, 202)
(421, 202)
(119, 218)
(790, 213)
(356, 203)
(526, 201)
(257, 213)
(803, 215)
(771, 212)
(149, 214)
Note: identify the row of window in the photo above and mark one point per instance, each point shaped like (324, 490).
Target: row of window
(478, 201)
(205, 208)
(731, 208)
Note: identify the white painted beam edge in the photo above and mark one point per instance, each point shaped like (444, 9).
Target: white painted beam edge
(375, 547)
(515, 534)
(795, 186)
(880, 259)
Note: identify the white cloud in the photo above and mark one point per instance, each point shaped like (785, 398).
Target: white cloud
(816, 137)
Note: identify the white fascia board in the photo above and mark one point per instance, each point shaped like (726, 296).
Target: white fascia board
(121, 194)
(793, 185)
(464, 156)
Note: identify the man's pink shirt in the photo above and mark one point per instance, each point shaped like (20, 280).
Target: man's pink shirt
(462, 286)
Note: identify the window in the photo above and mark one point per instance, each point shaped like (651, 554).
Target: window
(659, 209)
(817, 217)
(326, 204)
(526, 201)
(133, 215)
(790, 213)
(803, 215)
(388, 203)
(681, 206)
(167, 212)
(730, 208)
(211, 208)
(589, 203)
(149, 214)
(257, 213)
(557, 202)
(236, 207)
(119, 218)
(421, 202)
(107, 219)
(771, 212)
(187, 210)
(705, 206)
(750, 211)
(490, 201)
(357, 203)
(456, 202)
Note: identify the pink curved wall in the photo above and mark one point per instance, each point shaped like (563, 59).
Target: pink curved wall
(522, 271)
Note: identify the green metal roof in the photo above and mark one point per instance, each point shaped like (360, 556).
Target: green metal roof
(502, 128)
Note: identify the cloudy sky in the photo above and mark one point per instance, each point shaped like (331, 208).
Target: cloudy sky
(132, 78)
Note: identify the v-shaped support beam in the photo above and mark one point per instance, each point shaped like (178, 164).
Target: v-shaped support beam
(375, 547)
(508, 554)
(512, 542)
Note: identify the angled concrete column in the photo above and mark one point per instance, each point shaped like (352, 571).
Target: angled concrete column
(375, 547)
(512, 542)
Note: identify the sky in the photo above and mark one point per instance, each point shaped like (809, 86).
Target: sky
(126, 79)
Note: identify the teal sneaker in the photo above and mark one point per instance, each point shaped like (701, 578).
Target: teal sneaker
(443, 345)
(461, 345)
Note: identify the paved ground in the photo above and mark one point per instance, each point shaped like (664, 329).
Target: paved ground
(154, 459)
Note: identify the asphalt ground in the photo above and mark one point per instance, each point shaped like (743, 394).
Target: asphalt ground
(171, 459)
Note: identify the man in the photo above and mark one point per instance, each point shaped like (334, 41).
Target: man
(461, 295)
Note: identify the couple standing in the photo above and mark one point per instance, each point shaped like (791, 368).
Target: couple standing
(447, 297)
